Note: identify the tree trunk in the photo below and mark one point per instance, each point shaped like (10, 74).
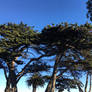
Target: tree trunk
(7, 89)
(86, 84)
(34, 88)
(11, 86)
(51, 84)
(80, 89)
(54, 77)
(12, 80)
(90, 83)
(48, 86)
(14, 89)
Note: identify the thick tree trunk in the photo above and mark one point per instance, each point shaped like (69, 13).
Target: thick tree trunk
(86, 84)
(13, 82)
(13, 77)
(90, 83)
(11, 85)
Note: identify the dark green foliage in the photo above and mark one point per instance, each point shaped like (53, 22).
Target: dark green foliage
(63, 39)
(60, 37)
(36, 80)
(67, 83)
(38, 67)
(14, 39)
(89, 8)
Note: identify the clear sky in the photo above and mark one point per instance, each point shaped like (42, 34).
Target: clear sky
(39, 13)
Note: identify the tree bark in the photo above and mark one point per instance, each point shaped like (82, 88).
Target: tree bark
(86, 84)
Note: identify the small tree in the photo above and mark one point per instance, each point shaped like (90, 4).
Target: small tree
(35, 81)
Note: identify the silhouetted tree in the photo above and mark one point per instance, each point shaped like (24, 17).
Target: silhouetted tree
(15, 39)
(65, 42)
(35, 80)
(56, 40)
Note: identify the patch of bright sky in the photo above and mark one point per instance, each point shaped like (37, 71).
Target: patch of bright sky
(39, 13)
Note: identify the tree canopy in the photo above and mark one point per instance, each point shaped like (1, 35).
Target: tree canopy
(63, 44)
(89, 8)
(61, 40)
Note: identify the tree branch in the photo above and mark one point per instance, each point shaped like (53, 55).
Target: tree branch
(33, 59)
(5, 73)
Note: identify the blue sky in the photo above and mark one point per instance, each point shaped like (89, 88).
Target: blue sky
(39, 13)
